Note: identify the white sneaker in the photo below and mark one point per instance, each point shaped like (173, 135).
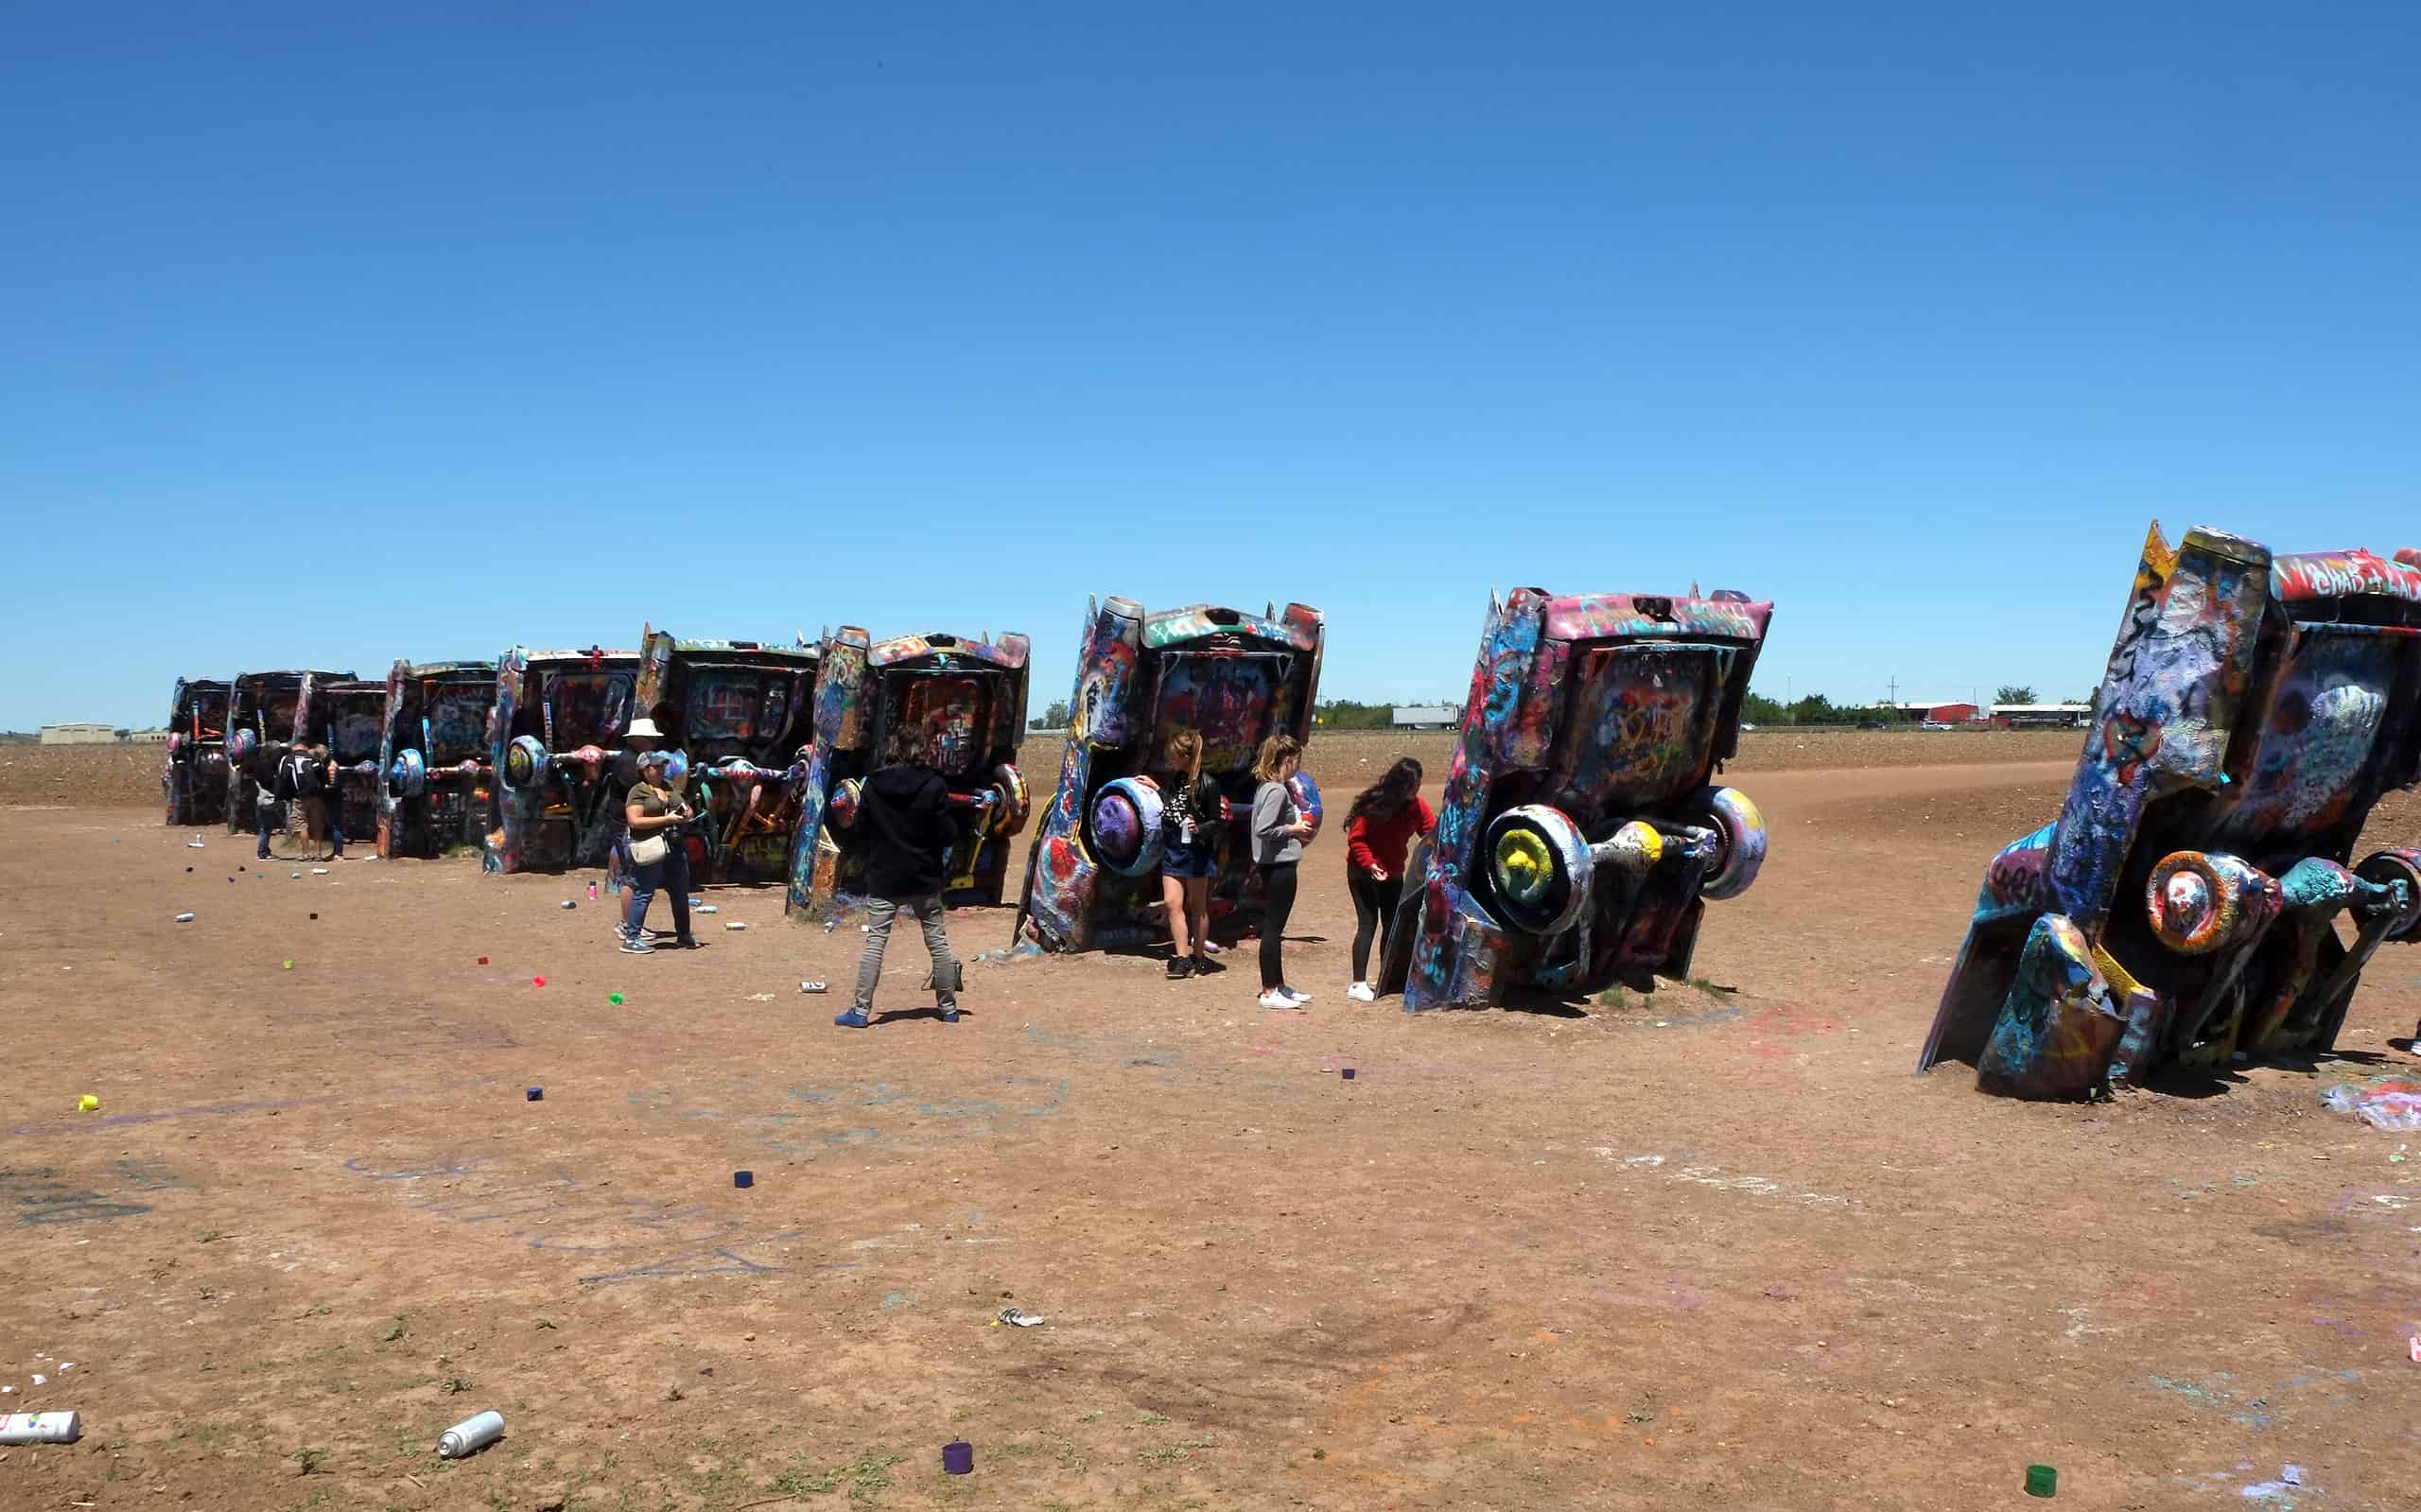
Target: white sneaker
(1360, 992)
(1300, 998)
(1276, 998)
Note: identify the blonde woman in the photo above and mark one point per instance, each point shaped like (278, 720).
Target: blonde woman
(1189, 860)
(1279, 830)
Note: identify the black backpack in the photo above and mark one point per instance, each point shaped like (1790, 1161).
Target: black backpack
(299, 777)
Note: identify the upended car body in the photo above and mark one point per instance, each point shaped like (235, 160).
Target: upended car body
(1579, 835)
(194, 781)
(263, 710)
(963, 701)
(1234, 677)
(2194, 899)
(349, 717)
(739, 711)
(437, 792)
(555, 742)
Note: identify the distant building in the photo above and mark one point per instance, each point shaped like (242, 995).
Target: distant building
(2042, 715)
(79, 735)
(1432, 717)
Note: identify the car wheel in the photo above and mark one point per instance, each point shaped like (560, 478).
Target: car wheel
(2389, 867)
(1538, 867)
(1016, 802)
(1740, 832)
(1124, 826)
(525, 763)
(409, 774)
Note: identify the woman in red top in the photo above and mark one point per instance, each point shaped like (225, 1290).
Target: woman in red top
(1379, 828)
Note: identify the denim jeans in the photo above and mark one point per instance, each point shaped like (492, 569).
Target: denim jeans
(265, 817)
(926, 911)
(673, 872)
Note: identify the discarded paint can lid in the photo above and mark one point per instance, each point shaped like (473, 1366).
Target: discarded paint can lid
(483, 959)
(2041, 1479)
(537, 982)
(185, 918)
(1347, 1073)
(614, 998)
(958, 1459)
(315, 915)
(469, 1435)
(743, 1178)
(285, 965)
(88, 1103)
(537, 1094)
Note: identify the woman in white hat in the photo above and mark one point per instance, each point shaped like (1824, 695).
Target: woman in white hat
(655, 811)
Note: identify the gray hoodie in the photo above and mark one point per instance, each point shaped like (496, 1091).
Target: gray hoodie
(1273, 810)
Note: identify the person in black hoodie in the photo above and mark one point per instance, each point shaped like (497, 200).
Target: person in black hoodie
(903, 815)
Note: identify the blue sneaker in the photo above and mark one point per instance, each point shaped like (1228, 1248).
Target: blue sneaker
(852, 1020)
(949, 1016)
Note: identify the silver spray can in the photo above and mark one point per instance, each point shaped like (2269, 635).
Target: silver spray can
(470, 1435)
(40, 1428)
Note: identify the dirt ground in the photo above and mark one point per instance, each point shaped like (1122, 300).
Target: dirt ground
(1719, 1249)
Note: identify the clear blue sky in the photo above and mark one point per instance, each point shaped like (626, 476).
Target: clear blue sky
(332, 333)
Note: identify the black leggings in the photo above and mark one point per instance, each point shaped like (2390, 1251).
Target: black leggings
(1374, 914)
(1277, 902)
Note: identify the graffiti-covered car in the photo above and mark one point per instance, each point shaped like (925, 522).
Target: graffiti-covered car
(195, 779)
(2197, 899)
(960, 702)
(262, 710)
(437, 792)
(738, 712)
(1581, 833)
(555, 745)
(1234, 678)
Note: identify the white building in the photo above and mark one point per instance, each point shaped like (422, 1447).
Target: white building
(79, 735)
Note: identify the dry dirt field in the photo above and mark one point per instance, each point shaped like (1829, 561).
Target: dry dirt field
(1717, 1250)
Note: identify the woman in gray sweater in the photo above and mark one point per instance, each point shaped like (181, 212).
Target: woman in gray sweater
(1279, 830)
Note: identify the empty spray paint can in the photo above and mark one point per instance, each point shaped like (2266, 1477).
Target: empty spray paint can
(592, 892)
(40, 1428)
(470, 1435)
(185, 918)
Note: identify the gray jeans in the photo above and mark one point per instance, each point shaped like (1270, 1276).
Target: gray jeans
(927, 911)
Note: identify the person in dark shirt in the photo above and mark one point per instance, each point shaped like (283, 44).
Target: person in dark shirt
(269, 810)
(903, 815)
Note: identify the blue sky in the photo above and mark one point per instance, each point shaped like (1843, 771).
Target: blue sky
(332, 336)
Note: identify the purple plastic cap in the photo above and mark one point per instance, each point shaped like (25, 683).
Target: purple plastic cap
(1347, 1073)
(743, 1178)
(537, 1094)
(959, 1458)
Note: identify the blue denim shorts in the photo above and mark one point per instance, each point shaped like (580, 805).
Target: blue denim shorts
(1188, 861)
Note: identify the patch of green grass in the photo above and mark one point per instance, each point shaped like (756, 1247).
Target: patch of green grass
(394, 1334)
(1092, 1416)
(1712, 987)
(1153, 1420)
(310, 1459)
(454, 1386)
(1614, 997)
(673, 1392)
(1016, 1449)
(1170, 1453)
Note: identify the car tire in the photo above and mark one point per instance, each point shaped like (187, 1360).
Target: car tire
(1740, 832)
(525, 763)
(1538, 867)
(1123, 827)
(410, 773)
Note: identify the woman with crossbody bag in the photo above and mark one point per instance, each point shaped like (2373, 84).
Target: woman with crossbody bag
(655, 814)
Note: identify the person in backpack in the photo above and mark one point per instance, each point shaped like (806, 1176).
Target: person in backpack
(903, 815)
(1189, 860)
(1379, 829)
(331, 795)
